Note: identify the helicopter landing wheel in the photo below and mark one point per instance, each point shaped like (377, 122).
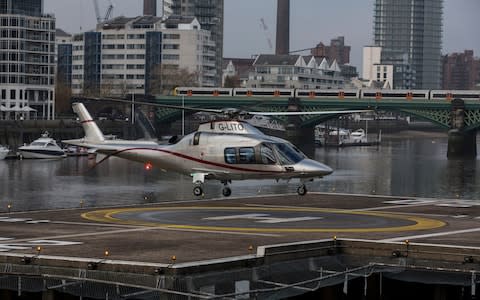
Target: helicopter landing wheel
(302, 190)
(198, 191)
(226, 191)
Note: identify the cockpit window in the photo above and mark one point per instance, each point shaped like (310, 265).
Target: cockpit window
(288, 154)
(267, 155)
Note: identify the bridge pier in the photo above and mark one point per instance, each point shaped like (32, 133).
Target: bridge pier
(462, 144)
(303, 138)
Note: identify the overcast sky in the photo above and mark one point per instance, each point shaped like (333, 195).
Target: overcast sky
(312, 21)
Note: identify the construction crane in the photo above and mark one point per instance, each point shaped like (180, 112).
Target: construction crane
(265, 30)
(107, 14)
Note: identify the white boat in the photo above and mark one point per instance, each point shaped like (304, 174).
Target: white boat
(3, 152)
(358, 136)
(338, 136)
(343, 137)
(44, 147)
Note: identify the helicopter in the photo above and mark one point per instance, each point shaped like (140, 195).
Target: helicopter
(224, 150)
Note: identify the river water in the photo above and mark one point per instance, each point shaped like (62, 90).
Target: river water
(403, 165)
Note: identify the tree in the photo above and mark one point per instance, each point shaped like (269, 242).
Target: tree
(63, 93)
(166, 77)
(232, 82)
(107, 88)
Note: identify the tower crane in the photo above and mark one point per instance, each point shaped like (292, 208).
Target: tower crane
(264, 26)
(108, 14)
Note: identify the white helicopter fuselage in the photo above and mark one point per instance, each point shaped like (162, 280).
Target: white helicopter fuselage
(220, 150)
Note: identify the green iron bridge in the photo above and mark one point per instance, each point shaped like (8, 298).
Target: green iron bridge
(461, 118)
(438, 112)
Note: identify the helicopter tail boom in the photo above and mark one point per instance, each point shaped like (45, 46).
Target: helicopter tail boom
(92, 132)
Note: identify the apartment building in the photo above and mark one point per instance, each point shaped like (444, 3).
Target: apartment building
(461, 71)
(210, 15)
(123, 55)
(27, 60)
(295, 71)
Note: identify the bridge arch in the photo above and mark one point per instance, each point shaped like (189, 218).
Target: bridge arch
(441, 118)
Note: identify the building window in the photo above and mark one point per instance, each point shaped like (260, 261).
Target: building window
(171, 57)
(171, 36)
(171, 46)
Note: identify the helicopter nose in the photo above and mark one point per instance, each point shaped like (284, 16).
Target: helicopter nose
(313, 167)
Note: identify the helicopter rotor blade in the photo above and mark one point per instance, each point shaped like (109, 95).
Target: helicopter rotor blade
(231, 112)
(302, 113)
(140, 102)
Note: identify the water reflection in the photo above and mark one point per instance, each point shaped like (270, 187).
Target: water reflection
(401, 167)
(459, 178)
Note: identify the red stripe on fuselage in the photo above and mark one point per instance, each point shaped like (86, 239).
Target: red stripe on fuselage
(226, 166)
(86, 121)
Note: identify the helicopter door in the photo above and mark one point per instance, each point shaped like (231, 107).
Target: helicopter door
(267, 155)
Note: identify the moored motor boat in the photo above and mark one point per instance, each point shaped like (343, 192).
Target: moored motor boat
(358, 136)
(43, 147)
(3, 152)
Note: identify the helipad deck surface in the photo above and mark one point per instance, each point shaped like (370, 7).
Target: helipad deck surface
(201, 230)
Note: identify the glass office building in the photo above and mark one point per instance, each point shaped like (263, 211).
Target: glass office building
(22, 7)
(210, 15)
(413, 28)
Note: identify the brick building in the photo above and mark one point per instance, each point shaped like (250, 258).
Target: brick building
(461, 71)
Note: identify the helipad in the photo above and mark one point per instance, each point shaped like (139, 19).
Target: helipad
(263, 219)
(201, 249)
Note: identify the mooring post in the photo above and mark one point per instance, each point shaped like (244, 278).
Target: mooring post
(461, 143)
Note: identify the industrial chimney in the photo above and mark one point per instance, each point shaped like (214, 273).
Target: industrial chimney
(283, 27)
(149, 7)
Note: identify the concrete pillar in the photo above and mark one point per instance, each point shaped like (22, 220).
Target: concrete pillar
(303, 138)
(462, 144)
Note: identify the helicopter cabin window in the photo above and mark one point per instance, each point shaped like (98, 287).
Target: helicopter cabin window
(230, 155)
(196, 139)
(246, 155)
(267, 155)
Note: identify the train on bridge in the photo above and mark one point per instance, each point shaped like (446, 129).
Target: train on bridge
(410, 95)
